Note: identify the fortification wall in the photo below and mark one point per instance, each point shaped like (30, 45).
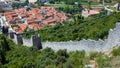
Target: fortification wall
(27, 42)
(113, 40)
(89, 45)
(33, 41)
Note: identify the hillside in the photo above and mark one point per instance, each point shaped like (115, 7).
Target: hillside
(12, 56)
(83, 28)
(24, 57)
(75, 28)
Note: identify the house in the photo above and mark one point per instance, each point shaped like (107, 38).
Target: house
(33, 19)
(92, 12)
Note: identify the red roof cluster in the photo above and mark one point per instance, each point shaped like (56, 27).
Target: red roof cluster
(12, 17)
(34, 18)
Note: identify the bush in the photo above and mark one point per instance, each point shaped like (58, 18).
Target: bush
(116, 52)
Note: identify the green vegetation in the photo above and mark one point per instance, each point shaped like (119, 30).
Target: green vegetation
(116, 52)
(18, 56)
(3, 48)
(85, 1)
(12, 56)
(1, 10)
(81, 28)
(68, 6)
(18, 4)
(39, 3)
(26, 3)
(71, 9)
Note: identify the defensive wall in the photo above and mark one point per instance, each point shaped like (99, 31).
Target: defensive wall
(88, 45)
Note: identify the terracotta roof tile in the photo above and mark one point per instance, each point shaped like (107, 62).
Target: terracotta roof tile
(23, 26)
(20, 31)
(46, 15)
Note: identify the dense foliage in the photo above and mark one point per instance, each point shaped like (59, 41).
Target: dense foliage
(81, 28)
(90, 28)
(72, 9)
(18, 4)
(73, 1)
(116, 52)
(12, 56)
(1, 10)
(18, 56)
(65, 1)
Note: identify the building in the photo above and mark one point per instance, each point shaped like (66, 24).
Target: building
(21, 20)
(92, 12)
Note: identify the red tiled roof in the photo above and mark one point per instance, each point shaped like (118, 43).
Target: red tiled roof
(91, 12)
(49, 14)
(35, 16)
(34, 26)
(23, 26)
(20, 31)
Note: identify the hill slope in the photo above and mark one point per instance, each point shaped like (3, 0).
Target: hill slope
(90, 28)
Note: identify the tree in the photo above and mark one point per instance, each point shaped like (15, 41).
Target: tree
(93, 55)
(116, 52)
(3, 48)
(5, 30)
(89, 4)
(63, 53)
(103, 61)
(26, 2)
(39, 3)
(1, 10)
(108, 1)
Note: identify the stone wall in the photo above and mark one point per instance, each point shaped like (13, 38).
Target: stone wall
(33, 41)
(27, 42)
(88, 45)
